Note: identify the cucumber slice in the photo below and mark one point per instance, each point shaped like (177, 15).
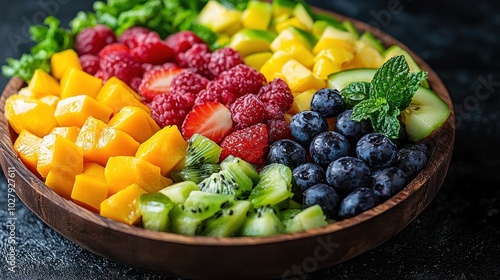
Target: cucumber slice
(303, 15)
(426, 113)
(372, 41)
(397, 50)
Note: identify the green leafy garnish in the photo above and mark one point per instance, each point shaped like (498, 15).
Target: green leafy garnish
(355, 93)
(390, 92)
(49, 39)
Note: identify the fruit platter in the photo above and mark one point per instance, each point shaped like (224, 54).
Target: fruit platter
(269, 136)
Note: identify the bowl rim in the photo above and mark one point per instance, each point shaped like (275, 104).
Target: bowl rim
(435, 159)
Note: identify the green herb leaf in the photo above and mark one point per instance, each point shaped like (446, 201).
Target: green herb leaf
(355, 93)
(82, 20)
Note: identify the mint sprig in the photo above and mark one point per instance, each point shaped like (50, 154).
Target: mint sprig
(390, 92)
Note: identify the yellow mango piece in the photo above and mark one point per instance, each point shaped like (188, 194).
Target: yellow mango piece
(60, 182)
(302, 102)
(257, 15)
(324, 66)
(63, 61)
(59, 154)
(123, 207)
(100, 142)
(50, 100)
(95, 170)
(333, 37)
(116, 95)
(250, 41)
(300, 78)
(217, 17)
(68, 132)
(300, 53)
(284, 24)
(25, 91)
(122, 171)
(275, 64)
(74, 111)
(256, 60)
(365, 57)
(88, 191)
(43, 84)
(135, 122)
(293, 35)
(77, 82)
(338, 55)
(165, 149)
(29, 113)
(27, 146)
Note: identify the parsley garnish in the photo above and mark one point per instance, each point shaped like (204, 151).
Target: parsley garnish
(390, 92)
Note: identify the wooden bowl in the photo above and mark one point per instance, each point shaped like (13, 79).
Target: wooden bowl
(229, 258)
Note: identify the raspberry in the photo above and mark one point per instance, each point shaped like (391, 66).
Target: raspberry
(182, 41)
(129, 36)
(273, 112)
(90, 63)
(223, 59)
(166, 109)
(278, 93)
(91, 40)
(249, 144)
(122, 65)
(188, 82)
(152, 49)
(242, 79)
(278, 130)
(135, 83)
(217, 93)
(248, 110)
(198, 57)
(103, 75)
(113, 48)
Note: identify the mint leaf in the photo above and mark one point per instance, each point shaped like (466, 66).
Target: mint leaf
(390, 78)
(388, 123)
(414, 82)
(367, 109)
(355, 92)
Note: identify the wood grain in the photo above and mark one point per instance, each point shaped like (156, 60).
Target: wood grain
(241, 258)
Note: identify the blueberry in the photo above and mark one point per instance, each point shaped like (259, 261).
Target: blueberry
(287, 152)
(307, 124)
(324, 196)
(421, 147)
(327, 102)
(387, 182)
(411, 161)
(347, 174)
(305, 176)
(351, 129)
(376, 150)
(357, 202)
(329, 146)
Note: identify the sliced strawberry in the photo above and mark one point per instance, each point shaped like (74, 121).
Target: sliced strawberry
(113, 48)
(249, 144)
(210, 119)
(157, 81)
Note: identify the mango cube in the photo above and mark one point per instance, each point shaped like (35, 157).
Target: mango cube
(88, 191)
(68, 132)
(60, 182)
(95, 170)
(324, 66)
(293, 35)
(299, 78)
(50, 100)
(100, 142)
(300, 53)
(27, 146)
(333, 37)
(77, 82)
(123, 207)
(275, 64)
(135, 122)
(116, 95)
(257, 15)
(365, 57)
(256, 60)
(302, 101)
(43, 84)
(58, 153)
(284, 24)
(63, 61)
(74, 111)
(165, 149)
(121, 171)
(29, 113)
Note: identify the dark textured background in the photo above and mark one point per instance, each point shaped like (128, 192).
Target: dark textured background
(456, 237)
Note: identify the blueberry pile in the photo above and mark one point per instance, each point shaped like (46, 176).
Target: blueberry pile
(350, 169)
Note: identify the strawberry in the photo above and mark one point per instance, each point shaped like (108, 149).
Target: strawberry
(249, 144)
(157, 81)
(113, 48)
(210, 119)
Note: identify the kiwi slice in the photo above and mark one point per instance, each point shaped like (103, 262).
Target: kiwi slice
(196, 173)
(198, 207)
(309, 218)
(426, 113)
(221, 183)
(244, 166)
(179, 192)
(238, 169)
(227, 222)
(155, 209)
(201, 150)
(262, 222)
(274, 187)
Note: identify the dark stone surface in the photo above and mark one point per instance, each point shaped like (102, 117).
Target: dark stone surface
(456, 237)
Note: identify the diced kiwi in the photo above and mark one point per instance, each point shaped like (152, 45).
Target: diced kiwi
(155, 209)
(246, 167)
(202, 150)
(262, 222)
(198, 207)
(274, 186)
(243, 173)
(179, 192)
(196, 173)
(221, 183)
(228, 221)
(309, 218)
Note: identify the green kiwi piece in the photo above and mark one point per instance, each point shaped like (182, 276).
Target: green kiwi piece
(262, 222)
(227, 222)
(155, 209)
(201, 150)
(309, 218)
(273, 188)
(196, 173)
(179, 192)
